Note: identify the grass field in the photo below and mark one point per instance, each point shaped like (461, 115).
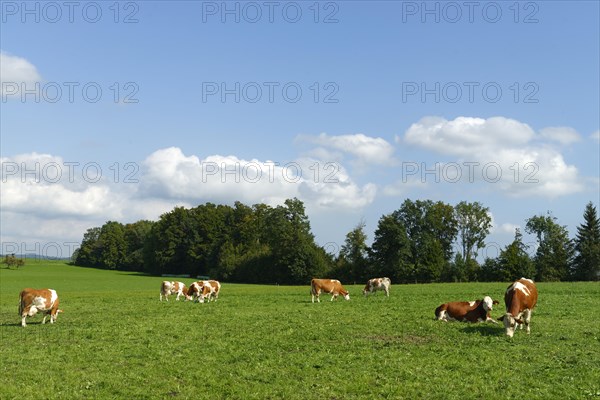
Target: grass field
(115, 340)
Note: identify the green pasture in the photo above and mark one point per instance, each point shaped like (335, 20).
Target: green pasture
(115, 340)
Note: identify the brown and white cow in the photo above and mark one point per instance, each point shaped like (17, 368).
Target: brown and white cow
(202, 290)
(467, 311)
(33, 300)
(168, 288)
(376, 284)
(332, 286)
(520, 299)
(215, 289)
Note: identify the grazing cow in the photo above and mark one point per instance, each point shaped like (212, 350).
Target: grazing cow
(467, 311)
(168, 288)
(376, 284)
(520, 299)
(34, 300)
(202, 290)
(332, 286)
(215, 289)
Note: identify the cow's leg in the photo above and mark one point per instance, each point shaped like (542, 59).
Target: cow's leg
(387, 292)
(23, 323)
(527, 320)
(44, 320)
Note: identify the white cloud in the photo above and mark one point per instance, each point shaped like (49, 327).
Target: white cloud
(561, 134)
(508, 228)
(168, 173)
(14, 72)
(504, 153)
(595, 136)
(366, 149)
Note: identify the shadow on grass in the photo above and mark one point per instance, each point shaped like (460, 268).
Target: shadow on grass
(484, 330)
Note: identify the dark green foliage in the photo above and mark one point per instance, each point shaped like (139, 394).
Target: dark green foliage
(431, 230)
(258, 244)
(390, 252)
(555, 250)
(264, 244)
(586, 266)
(514, 261)
(353, 261)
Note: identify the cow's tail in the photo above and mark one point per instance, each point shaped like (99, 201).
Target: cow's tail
(439, 310)
(21, 305)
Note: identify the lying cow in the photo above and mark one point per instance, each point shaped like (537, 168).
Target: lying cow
(34, 300)
(468, 311)
(168, 288)
(520, 299)
(376, 284)
(332, 286)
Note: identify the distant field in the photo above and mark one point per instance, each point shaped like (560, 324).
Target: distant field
(115, 340)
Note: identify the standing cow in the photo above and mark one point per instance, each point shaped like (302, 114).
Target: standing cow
(520, 299)
(33, 300)
(376, 284)
(332, 286)
(168, 288)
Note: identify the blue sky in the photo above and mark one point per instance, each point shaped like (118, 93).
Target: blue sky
(123, 110)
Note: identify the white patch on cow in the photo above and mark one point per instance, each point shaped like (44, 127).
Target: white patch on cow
(509, 325)
(471, 303)
(32, 310)
(442, 316)
(521, 287)
(526, 279)
(488, 303)
(53, 297)
(347, 296)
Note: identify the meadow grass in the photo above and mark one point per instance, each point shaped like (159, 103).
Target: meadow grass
(115, 340)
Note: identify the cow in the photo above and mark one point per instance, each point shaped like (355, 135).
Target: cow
(376, 284)
(202, 290)
(467, 311)
(520, 299)
(33, 300)
(332, 286)
(168, 288)
(215, 289)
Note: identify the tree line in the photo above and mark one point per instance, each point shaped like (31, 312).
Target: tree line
(423, 241)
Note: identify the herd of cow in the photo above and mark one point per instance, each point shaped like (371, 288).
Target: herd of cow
(520, 298)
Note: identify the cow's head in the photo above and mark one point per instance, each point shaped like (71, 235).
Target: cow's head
(346, 296)
(510, 323)
(488, 303)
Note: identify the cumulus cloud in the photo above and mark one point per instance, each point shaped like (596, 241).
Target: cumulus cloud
(595, 136)
(365, 149)
(168, 173)
(561, 134)
(14, 72)
(500, 151)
